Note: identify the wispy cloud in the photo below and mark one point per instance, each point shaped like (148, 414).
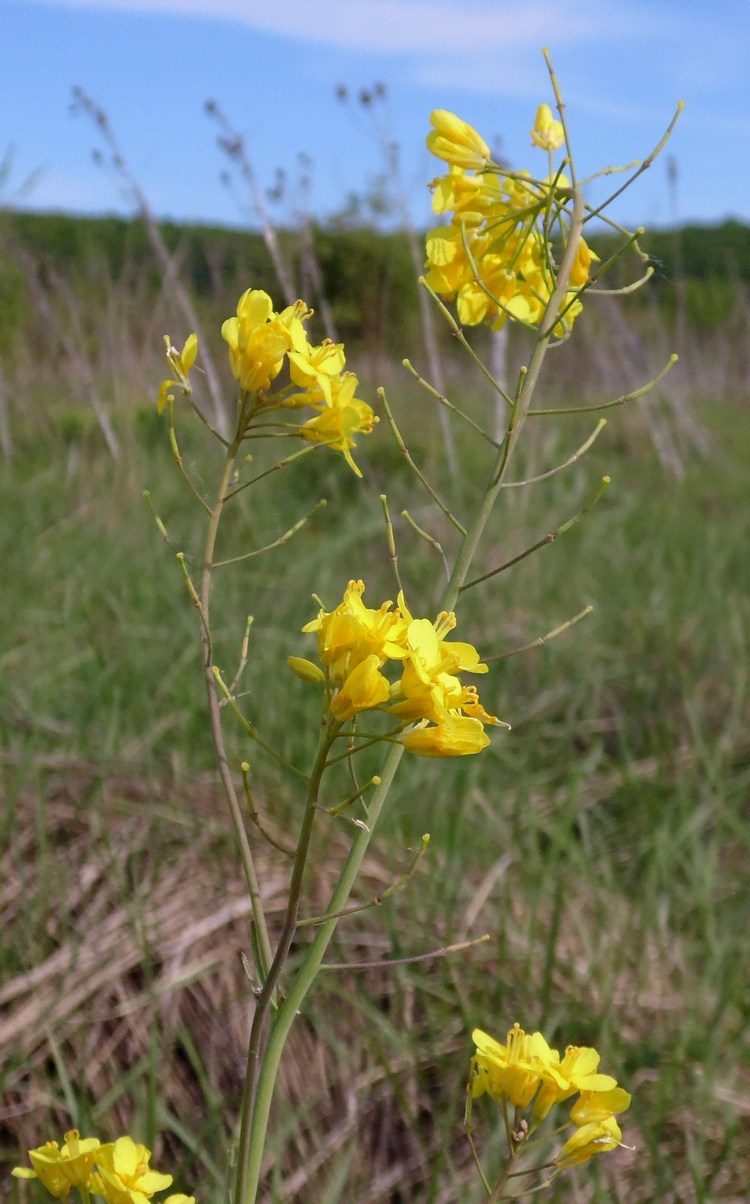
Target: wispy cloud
(423, 27)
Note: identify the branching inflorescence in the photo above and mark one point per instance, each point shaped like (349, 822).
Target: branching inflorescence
(511, 249)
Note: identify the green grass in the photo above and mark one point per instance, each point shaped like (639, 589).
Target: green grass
(602, 843)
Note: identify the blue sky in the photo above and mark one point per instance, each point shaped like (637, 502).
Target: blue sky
(273, 66)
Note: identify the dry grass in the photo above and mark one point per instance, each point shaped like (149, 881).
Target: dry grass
(135, 923)
(141, 936)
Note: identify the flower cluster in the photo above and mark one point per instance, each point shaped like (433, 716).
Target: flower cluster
(119, 1171)
(262, 341)
(527, 1073)
(495, 255)
(442, 717)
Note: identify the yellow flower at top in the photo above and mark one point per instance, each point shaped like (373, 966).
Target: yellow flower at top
(494, 255)
(457, 142)
(62, 1168)
(548, 133)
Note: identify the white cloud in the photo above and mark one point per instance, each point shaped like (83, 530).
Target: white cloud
(423, 27)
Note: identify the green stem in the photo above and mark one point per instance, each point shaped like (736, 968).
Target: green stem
(255, 1126)
(304, 980)
(250, 1147)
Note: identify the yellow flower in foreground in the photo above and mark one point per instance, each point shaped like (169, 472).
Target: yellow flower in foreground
(547, 133)
(455, 736)
(457, 142)
(512, 1071)
(526, 1070)
(124, 1176)
(316, 366)
(259, 338)
(352, 632)
(595, 1138)
(429, 686)
(593, 1106)
(579, 1071)
(62, 1168)
(355, 642)
(364, 689)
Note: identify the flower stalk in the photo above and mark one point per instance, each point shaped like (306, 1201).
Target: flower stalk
(511, 249)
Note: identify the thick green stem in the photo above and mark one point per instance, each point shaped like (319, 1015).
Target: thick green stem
(256, 1056)
(304, 980)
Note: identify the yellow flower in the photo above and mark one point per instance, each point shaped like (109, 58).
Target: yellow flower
(259, 338)
(362, 690)
(456, 141)
(595, 1138)
(547, 133)
(592, 1106)
(579, 1071)
(477, 299)
(354, 642)
(429, 686)
(455, 736)
(61, 1169)
(512, 1071)
(429, 689)
(341, 416)
(124, 1176)
(316, 366)
(470, 197)
(581, 269)
(352, 632)
(448, 266)
(494, 258)
(180, 362)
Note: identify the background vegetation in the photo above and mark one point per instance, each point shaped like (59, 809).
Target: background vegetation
(603, 842)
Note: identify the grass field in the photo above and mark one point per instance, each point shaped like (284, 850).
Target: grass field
(603, 843)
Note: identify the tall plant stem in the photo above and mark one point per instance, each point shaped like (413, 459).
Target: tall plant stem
(254, 1140)
(302, 983)
(255, 1057)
